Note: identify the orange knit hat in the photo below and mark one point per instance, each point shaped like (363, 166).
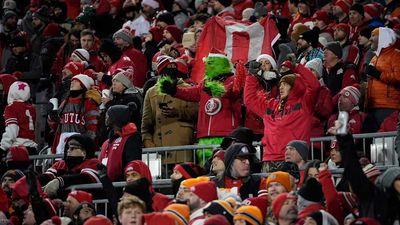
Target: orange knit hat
(280, 177)
(179, 212)
(193, 181)
(249, 213)
(375, 31)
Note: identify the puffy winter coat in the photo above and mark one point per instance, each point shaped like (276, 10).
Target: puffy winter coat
(293, 122)
(385, 92)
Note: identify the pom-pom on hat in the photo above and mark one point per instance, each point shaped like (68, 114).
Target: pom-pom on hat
(250, 214)
(86, 81)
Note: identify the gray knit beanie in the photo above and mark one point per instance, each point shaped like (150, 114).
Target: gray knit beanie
(301, 147)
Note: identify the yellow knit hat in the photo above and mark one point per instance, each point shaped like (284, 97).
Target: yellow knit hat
(249, 213)
(375, 32)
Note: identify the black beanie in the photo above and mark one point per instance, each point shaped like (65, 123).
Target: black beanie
(120, 115)
(291, 168)
(140, 189)
(311, 36)
(18, 41)
(357, 7)
(317, 216)
(366, 32)
(108, 47)
(86, 142)
(167, 18)
(335, 47)
(225, 3)
(312, 191)
(42, 14)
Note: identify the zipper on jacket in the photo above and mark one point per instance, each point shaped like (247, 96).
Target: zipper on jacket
(209, 126)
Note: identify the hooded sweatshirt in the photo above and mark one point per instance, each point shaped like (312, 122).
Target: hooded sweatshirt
(19, 117)
(384, 92)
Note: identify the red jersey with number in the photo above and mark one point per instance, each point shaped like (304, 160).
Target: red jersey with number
(22, 114)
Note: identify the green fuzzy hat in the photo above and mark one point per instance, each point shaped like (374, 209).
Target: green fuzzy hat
(216, 64)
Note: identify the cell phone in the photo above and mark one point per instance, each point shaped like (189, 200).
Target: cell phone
(163, 105)
(343, 118)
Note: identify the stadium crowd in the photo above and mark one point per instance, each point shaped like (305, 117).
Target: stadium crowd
(99, 80)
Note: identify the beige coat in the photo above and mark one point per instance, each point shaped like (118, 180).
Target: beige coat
(167, 131)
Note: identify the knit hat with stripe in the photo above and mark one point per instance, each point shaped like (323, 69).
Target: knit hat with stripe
(220, 207)
(250, 214)
(82, 54)
(179, 212)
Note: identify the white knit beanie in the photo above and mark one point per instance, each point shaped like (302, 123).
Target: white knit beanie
(19, 91)
(269, 58)
(85, 80)
(152, 3)
(82, 54)
(316, 65)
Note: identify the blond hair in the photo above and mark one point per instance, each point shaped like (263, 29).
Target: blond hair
(130, 202)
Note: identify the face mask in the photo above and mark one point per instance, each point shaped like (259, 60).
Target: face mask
(73, 161)
(76, 93)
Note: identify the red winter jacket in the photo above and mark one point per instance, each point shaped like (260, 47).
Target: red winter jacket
(294, 122)
(140, 69)
(223, 114)
(114, 151)
(332, 202)
(390, 123)
(356, 119)
(323, 110)
(122, 63)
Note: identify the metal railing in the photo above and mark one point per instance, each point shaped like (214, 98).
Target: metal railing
(367, 141)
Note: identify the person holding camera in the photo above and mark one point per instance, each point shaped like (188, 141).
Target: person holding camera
(169, 121)
(287, 117)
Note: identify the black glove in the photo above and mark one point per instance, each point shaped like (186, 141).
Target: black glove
(372, 71)
(3, 153)
(253, 66)
(207, 90)
(168, 87)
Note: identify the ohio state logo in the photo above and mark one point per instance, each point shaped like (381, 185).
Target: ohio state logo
(213, 106)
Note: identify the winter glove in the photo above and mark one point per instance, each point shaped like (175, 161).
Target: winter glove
(253, 67)
(292, 58)
(372, 71)
(52, 187)
(102, 170)
(168, 87)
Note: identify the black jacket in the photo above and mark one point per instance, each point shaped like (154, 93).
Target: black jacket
(374, 201)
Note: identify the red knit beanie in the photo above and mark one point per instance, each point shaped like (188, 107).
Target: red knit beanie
(278, 203)
(175, 32)
(81, 196)
(98, 220)
(207, 191)
(51, 30)
(18, 153)
(344, 27)
(75, 67)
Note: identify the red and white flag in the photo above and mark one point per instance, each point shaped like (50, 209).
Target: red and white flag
(239, 41)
